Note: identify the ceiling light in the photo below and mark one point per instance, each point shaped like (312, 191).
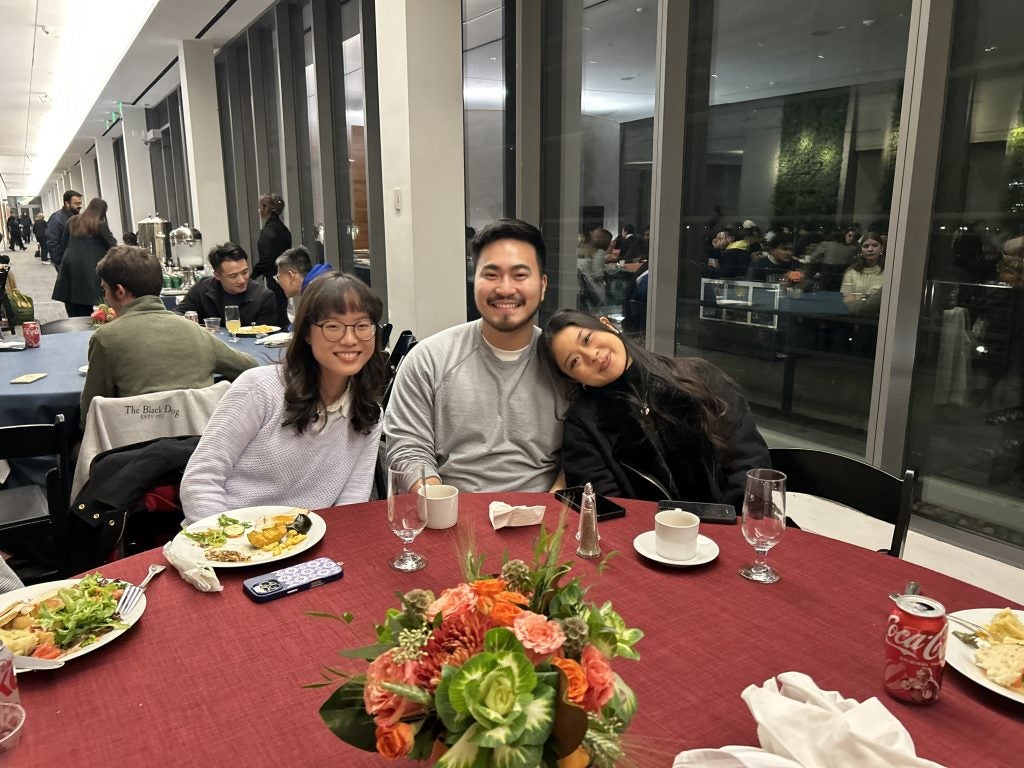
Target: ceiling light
(715, 76)
(586, 29)
(841, 26)
(494, 58)
(821, 56)
(771, 82)
(592, 61)
(990, 49)
(639, 10)
(867, 22)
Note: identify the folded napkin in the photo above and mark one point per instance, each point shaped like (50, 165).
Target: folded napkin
(504, 515)
(808, 727)
(17, 344)
(198, 574)
(275, 339)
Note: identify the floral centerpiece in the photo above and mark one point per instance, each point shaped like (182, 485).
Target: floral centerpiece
(103, 315)
(511, 669)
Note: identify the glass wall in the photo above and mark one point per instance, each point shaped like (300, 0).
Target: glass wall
(167, 159)
(121, 172)
(967, 409)
(792, 121)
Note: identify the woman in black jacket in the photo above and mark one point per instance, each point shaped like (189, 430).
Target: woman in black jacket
(275, 239)
(646, 426)
(39, 230)
(87, 239)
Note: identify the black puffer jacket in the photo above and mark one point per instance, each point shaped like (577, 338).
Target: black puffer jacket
(275, 239)
(606, 429)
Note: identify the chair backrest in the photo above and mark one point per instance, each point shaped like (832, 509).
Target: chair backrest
(853, 483)
(30, 440)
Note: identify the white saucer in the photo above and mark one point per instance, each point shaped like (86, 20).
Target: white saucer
(83, 370)
(707, 551)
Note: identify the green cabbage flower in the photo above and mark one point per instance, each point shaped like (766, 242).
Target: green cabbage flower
(498, 710)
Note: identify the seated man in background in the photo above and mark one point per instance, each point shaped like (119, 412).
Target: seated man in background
(230, 286)
(148, 348)
(295, 271)
(474, 403)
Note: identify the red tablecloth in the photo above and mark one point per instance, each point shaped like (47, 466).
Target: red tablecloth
(215, 679)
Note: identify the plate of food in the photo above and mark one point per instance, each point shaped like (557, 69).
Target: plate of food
(61, 620)
(251, 536)
(257, 330)
(992, 656)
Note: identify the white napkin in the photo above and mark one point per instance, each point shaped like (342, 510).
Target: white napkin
(503, 515)
(199, 575)
(732, 757)
(275, 339)
(13, 344)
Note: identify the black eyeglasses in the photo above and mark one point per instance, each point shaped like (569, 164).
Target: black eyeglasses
(335, 331)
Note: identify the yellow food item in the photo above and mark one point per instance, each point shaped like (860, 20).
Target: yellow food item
(1003, 664)
(1005, 627)
(271, 535)
(21, 641)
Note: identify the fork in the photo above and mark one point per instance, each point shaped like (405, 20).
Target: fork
(131, 595)
(969, 624)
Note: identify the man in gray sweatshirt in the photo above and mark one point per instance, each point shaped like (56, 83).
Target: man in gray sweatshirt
(473, 403)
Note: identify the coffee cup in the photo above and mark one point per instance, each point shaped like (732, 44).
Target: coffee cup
(442, 505)
(675, 534)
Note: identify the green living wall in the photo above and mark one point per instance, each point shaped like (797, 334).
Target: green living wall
(1015, 166)
(811, 154)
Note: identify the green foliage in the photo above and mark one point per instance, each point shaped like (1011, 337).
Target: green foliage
(889, 152)
(811, 154)
(345, 715)
(1015, 166)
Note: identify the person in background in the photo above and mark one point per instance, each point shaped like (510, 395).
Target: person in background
(274, 240)
(292, 267)
(57, 224)
(148, 348)
(85, 241)
(130, 238)
(473, 402)
(14, 232)
(304, 432)
(772, 266)
(865, 277)
(39, 230)
(590, 264)
(230, 286)
(646, 426)
(26, 228)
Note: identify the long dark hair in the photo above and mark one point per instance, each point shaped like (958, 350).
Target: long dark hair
(858, 263)
(89, 222)
(658, 374)
(335, 293)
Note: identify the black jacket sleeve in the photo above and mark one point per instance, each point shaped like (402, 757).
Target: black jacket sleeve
(586, 455)
(192, 301)
(266, 312)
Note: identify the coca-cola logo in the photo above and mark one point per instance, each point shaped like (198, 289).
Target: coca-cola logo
(921, 645)
(8, 683)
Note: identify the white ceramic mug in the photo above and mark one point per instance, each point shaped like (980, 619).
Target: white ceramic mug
(442, 505)
(675, 534)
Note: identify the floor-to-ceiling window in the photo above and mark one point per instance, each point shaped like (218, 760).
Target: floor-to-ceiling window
(167, 159)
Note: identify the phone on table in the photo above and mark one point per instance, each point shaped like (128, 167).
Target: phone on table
(606, 508)
(294, 578)
(724, 514)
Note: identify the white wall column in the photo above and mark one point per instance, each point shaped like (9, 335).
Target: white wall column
(141, 200)
(420, 84)
(78, 182)
(60, 185)
(108, 182)
(90, 184)
(203, 140)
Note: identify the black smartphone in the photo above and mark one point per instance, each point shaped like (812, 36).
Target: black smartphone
(606, 508)
(294, 578)
(708, 513)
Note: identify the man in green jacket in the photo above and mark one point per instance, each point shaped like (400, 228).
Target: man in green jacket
(148, 348)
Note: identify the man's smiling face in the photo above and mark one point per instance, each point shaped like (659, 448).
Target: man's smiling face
(509, 285)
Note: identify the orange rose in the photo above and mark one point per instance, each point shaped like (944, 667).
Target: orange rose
(504, 614)
(577, 679)
(488, 587)
(540, 636)
(453, 602)
(600, 679)
(395, 741)
(513, 597)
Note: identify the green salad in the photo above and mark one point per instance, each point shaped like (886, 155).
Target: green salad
(87, 610)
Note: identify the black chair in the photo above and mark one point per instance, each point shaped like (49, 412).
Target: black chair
(406, 341)
(70, 325)
(7, 318)
(853, 483)
(27, 511)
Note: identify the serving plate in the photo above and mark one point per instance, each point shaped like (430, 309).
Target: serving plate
(257, 330)
(37, 592)
(190, 549)
(960, 656)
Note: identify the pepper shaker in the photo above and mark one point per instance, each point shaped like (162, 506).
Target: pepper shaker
(590, 541)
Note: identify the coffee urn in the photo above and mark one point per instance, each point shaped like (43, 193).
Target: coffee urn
(153, 237)
(187, 252)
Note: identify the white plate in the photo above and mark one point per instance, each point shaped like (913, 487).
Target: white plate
(251, 330)
(83, 370)
(961, 656)
(707, 551)
(191, 549)
(38, 592)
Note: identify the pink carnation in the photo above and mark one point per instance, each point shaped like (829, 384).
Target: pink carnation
(600, 679)
(453, 602)
(540, 636)
(386, 707)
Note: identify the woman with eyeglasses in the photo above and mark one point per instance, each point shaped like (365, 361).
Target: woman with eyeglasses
(305, 432)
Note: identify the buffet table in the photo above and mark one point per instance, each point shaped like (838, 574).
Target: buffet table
(215, 679)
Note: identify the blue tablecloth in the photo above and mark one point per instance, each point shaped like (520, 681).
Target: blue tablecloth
(59, 357)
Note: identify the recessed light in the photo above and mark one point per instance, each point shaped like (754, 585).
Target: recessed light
(771, 82)
(639, 10)
(990, 49)
(821, 56)
(867, 22)
(592, 61)
(586, 29)
(715, 76)
(841, 26)
(494, 58)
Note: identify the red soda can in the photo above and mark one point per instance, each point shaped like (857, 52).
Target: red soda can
(30, 331)
(8, 680)
(915, 649)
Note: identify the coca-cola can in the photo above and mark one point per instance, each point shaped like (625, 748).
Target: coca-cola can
(30, 331)
(915, 649)
(193, 316)
(8, 680)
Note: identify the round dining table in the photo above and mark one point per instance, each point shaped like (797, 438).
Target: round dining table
(211, 679)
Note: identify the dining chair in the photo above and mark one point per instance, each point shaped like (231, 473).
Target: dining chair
(853, 483)
(28, 511)
(68, 325)
(7, 317)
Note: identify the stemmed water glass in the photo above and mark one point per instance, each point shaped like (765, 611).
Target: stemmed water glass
(764, 520)
(232, 322)
(407, 514)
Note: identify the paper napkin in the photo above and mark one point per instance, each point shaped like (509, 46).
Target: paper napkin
(505, 515)
(199, 575)
(275, 339)
(13, 344)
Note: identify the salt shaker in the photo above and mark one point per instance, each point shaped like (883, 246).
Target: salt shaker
(590, 542)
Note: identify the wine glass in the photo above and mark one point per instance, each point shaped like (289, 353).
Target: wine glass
(233, 322)
(407, 513)
(764, 520)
